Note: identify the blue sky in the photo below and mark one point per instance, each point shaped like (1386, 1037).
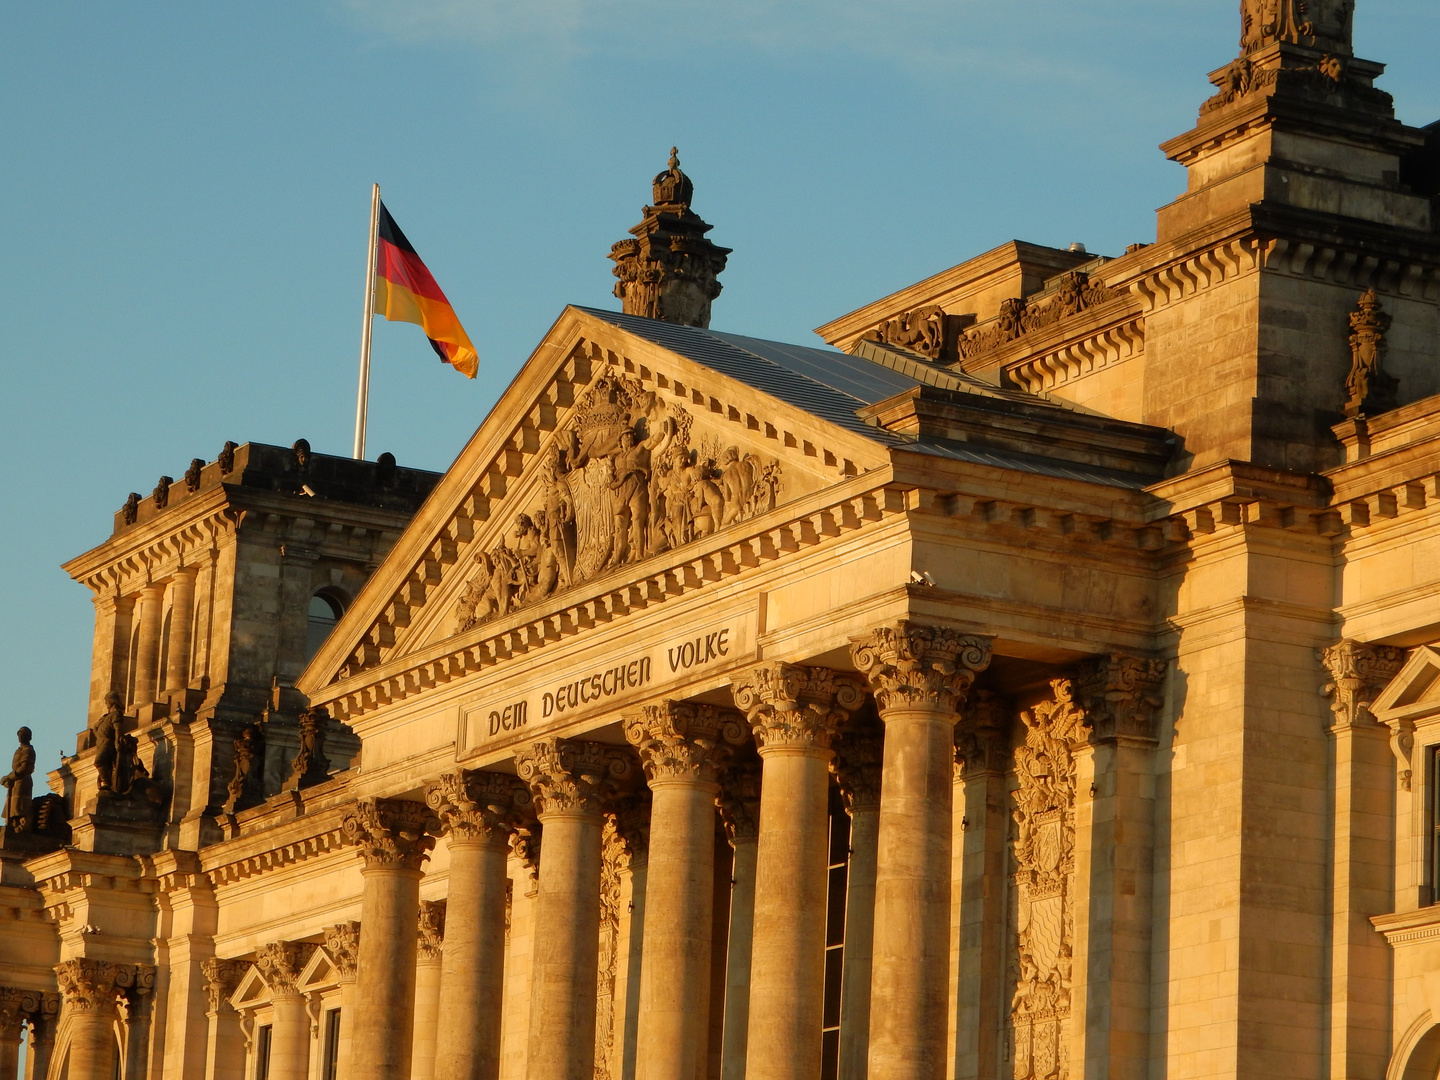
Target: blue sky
(188, 187)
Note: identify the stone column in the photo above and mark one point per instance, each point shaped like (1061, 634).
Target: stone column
(794, 711)
(920, 676)
(1121, 698)
(740, 810)
(89, 988)
(225, 1049)
(980, 828)
(147, 659)
(42, 1010)
(342, 942)
(857, 770)
(569, 780)
(280, 964)
(430, 947)
(182, 616)
(12, 1016)
(631, 816)
(682, 747)
(139, 1002)
(394, 837)
(478, 812)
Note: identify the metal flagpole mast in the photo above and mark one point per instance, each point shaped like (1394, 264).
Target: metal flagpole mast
(362, 403)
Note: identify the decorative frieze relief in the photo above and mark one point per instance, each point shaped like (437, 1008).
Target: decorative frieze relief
(912, 666)
(796, 705)
(478, 805)
(1020, 316)
(678, 740)
(393, 834)
(623, 483)
(572, 776)
(927, 331)
(222, 978)
(1043, 849)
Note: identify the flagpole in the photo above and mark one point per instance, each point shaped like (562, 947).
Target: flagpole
(362, 403)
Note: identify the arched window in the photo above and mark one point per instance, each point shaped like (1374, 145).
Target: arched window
(325, 610)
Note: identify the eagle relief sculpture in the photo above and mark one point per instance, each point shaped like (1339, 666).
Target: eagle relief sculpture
(623, 483)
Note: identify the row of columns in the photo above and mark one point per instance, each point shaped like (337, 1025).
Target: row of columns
(919, 677)
(154, 672)
(22, 1011)
(97, 995)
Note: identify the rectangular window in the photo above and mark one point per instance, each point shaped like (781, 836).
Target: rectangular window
(835, 935)
(262, 1054)
(332, 1045)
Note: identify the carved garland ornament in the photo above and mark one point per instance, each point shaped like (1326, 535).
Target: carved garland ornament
(796, 706)
(681, 741)
(393, 834)
(623, 483)
(920, 667)
(1044, 871)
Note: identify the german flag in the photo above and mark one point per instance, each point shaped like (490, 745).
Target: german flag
(405, 291)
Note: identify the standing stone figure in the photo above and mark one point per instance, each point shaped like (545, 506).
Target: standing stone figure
(246, 787)
(19, 784)
(310, 766)
(106, 739)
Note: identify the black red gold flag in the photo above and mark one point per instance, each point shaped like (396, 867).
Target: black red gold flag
(405, 291)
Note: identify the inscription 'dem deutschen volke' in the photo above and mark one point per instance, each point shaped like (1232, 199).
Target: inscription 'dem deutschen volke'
(598, 685)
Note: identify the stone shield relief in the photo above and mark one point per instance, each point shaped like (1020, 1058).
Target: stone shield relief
(625, 481)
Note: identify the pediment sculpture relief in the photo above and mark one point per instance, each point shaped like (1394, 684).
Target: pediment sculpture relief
(626, 481)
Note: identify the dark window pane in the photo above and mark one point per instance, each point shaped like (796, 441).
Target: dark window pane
(835, 913)
(830, 1055)
(262, 1065)
(834, 966)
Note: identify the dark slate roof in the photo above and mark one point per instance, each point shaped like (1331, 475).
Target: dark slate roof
(831, 385)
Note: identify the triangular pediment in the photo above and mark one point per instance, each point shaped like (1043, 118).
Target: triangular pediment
(609, 453)
(1415, 691)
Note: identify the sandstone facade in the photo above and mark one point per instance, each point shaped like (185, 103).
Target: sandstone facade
(1041, 681)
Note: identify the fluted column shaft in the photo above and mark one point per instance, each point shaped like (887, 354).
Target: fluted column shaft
(147, 659)
(394, 840)
(478, 812)
(280, 964)
(920, 676)
(795, 712)
(182, 603)
(740, 809)
(568, 779)
(89, 988)
(681, 748)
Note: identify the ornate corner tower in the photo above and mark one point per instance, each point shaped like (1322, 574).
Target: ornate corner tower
(670, 271)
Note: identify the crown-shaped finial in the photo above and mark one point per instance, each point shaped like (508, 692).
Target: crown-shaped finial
(673, 187)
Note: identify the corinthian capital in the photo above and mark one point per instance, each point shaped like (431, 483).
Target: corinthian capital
(342, 942)
(1358, 673)
(859, 756)
(911, 666)
(739, 802)
(431, 929)
(92, 985)
(795, 705)
(572, 775)
(479, 806)
(681, 741)
(393, 834)
(982, 735)
(12, 1011)
(281, 962)
(1120, 694)
(222, 978)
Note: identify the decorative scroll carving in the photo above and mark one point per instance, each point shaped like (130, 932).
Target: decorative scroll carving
(982, 735)
(739, 802)
(247, 779)
(681, 741)
(92, 985)
(1320, 24)
(1369, 388)
(670, 270)
(478, 805)
(859, 758)
(911, 666)
(1044, 871)
(927, 331)
(796, 705)
(222, 978)
(572, 775)
(392, 833)
(342, 943)
(1018, 316)
(431, 930)
(19, 784)
(622, 484)
(281, 962)
(310, 766)
(614, 858)
(1121, 695)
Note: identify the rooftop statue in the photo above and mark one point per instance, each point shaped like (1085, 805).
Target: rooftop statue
(19, 783)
